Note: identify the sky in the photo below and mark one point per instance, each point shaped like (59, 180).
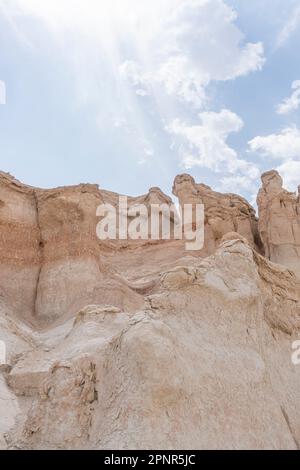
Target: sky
(129, 93)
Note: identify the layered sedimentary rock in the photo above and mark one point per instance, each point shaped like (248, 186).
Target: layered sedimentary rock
(19, 247)
(50, 253)
(279, 221)
(224, 213)
(141, 344)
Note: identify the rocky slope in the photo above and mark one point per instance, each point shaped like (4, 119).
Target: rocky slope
(142, 344)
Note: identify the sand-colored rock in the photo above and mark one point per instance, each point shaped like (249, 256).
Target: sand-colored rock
(141, 344)
(207, 354)
(223, 212)
(279, 221)
(19, 247)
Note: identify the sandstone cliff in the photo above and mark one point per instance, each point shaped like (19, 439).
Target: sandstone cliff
(224, 213)
(279, 221)
(140, 344)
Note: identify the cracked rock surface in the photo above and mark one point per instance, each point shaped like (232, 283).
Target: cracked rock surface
(140, 344)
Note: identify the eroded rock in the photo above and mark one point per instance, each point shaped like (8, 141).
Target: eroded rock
(224, 213)
(279, 221)
(143, 345)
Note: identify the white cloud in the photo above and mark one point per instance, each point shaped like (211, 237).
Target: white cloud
(205, 144)
(132, 71)
(238, 184)
(289, 27)
(182, 80)
(170, 50)
(204, 41)
(180, 45)
(293, 102)
(290, 172)
(198, 43)
(282, 146)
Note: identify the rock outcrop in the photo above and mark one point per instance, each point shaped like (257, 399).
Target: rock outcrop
(19, 247)
(224, 213)
(140, 344)
(279, 221)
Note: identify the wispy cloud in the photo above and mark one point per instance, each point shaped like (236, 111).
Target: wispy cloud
(240, 184)
(290, 172)
(293, 102)
(290, 26)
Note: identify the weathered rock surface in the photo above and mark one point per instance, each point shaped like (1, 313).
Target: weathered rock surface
(279, 221)
(224, 213)
(126, 345)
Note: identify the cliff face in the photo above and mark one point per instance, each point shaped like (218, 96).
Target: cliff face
(279, 221)
(141, 344)
(224, 213)
(19, 247)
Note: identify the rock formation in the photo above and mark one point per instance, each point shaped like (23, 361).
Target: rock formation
(141, 344)
(224, 213)
(279, 221)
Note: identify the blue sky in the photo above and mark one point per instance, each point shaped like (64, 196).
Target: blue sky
(129, 93)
